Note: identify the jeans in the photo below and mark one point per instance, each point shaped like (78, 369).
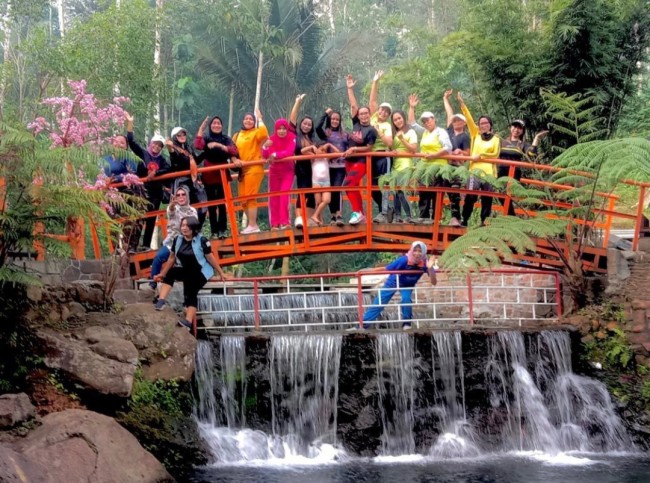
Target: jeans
(161, 257)
(382, 299)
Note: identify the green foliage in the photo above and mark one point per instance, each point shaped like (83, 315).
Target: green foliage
(164, 396)
(501, 238)
(617, 349)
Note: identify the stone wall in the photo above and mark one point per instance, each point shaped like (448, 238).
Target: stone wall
(58, 272)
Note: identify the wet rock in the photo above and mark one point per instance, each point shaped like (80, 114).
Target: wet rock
(81, 446)
(14, 409)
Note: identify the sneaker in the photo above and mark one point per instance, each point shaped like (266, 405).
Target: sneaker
(221, 235)
(250, 229)
(380, 218)
(333, 221)
(397, 219)
(185, 323)
(406, 326)
(153, 285)
(339, 220)
(454, 221)
(160, 304)
(298, 222)
(357, 218)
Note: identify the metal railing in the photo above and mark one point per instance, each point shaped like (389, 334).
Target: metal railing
(496, 298)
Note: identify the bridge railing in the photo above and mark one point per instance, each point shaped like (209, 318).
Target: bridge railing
(603, 215)
(498, 298)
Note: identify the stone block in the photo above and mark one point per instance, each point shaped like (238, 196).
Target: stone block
(640, 304)
(70, 274)
(91, 266)
(639, 317)
(641, 338)
(644, 244)
(617, 266)
(638, 328)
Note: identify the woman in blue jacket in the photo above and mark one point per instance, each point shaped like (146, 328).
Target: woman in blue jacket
(414, 260)
(196, 265)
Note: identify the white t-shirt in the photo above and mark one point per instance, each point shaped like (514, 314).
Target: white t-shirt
(320, 170)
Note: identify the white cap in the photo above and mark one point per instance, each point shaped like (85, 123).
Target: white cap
(157, 138)
(178, 129)
(459, 116)
(427, 114)
(386, 105)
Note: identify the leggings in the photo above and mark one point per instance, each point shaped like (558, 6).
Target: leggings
(354, 173)
(192, 283)
(337, 176)
(217, 214)
(486, 200)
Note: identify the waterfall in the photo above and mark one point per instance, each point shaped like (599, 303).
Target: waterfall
(456, 436)
(232, 378)
(304, 372)
(396, 380)
(205, 404)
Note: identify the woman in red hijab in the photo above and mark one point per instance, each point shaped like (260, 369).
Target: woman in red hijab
(279, 146)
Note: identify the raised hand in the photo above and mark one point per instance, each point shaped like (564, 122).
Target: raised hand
(378, 75)
(349, 81)
(542, 134)
(128, 117)
(448, 93)
(258, 113)
(329, 111)
(204, 124)
(460, 98)
(300, 97)
(413, 100)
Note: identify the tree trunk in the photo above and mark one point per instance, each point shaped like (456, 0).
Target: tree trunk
(6, 47)
(258, 85)
(285, 267)
(231, 108)
(156, 63)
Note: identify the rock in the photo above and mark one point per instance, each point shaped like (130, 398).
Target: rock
(34, 293)
(176, 359)
(17, 468)
(14, 409)
(82, 446)
(90, 293)
(76, 310)
(95, 371)
(117, 349)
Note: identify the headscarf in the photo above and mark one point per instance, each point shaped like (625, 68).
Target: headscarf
(243, 128)
(280, 144)
(211, 137)
(184, 188)
(411, 254)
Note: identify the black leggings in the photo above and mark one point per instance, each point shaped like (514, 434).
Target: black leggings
(337, 175)
(303, 180)
(217, 214)
(192, 283)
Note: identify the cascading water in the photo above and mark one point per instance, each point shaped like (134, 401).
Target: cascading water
(396, 380)
(557, 410)
(304, 384)
(304, 391)
(456, 437)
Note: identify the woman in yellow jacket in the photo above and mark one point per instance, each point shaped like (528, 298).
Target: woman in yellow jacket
(249, 142)
(485, 144)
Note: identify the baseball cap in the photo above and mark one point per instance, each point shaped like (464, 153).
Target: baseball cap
(518, 122)
(459, 116)
(176, 130)
(386, 105)
(427, 115)
(158, 139)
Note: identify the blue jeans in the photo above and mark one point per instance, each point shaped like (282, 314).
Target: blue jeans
(161, 257)
(380, 302)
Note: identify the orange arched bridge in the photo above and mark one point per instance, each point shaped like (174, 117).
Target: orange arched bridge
(394, 237)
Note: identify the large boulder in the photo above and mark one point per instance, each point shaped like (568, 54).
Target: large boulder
(82, 446)
(18, 468)
(107, 370)
(14, 409)
(165, 349)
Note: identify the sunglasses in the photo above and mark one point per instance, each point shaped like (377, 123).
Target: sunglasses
(181, 134)
(181, 194)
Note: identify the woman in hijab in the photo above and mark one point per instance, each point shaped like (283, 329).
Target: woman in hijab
(414, 260)
(218, 149)
(279, 146)
(154, 164)
(179, 208)
(181, 157)
(249, 144)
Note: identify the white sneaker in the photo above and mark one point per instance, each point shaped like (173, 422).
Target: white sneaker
(454, 222)
(298, 222)
(357, 218)
(250, 229)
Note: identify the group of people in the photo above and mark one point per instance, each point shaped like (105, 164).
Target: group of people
(376, 128)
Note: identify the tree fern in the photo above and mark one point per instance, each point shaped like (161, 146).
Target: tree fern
(499, 240)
